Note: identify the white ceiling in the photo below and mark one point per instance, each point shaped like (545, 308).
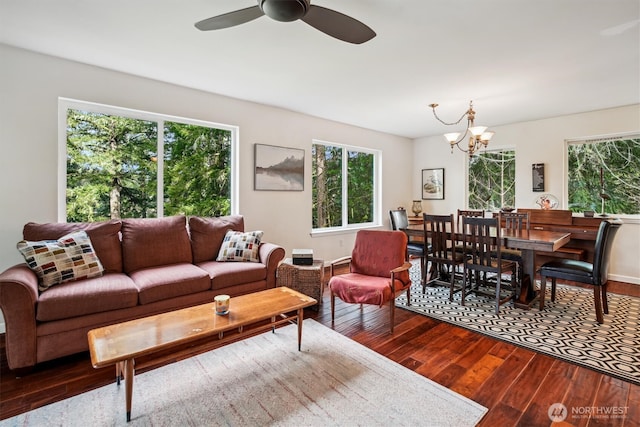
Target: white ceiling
(517, 60)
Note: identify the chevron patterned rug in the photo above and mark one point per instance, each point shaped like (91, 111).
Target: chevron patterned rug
(566, 329)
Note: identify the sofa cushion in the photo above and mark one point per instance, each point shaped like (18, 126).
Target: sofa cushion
(169, 281)
(110, 292)
(67, 259)
(207, 234)
(238, 246)
(104, 235)
(152, 242)
(225, 274)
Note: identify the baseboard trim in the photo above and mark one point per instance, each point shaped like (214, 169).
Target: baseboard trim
(625, 279)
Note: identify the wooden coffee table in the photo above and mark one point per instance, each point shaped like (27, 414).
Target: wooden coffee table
(121, 343)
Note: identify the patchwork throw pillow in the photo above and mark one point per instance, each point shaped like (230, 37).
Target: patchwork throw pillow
(239, 246)
(71, 257)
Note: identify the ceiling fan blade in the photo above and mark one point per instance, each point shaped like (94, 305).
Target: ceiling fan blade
(230, 19)
(338, 25)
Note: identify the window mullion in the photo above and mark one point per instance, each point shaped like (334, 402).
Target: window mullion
(345, 187)
(160, 170)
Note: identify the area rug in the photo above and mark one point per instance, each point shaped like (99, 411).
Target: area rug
(265, 381)
(566, 329)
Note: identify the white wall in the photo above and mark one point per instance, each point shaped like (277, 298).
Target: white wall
(540, 141)
(31, 84)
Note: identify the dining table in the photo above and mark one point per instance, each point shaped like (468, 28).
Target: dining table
(528, 242)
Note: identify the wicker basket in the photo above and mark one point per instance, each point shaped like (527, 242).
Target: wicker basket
(307, 279)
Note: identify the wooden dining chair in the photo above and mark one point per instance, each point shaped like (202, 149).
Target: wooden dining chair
(481, 241)
(469, 213)
(466, 213)
(514, 221)
(594, 274)
(444, 259)
(417, 249)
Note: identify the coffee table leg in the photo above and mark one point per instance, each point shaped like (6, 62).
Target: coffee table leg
(118, 372)
(300, 317)
(129, 372)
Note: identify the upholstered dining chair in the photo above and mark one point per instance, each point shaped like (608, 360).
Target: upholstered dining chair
(400, 221)
(444, 259)
(594, 274)
(378, 271)
(481, 241)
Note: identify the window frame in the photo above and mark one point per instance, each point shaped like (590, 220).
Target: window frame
(377, 186)
(628, 218)
(64, 104)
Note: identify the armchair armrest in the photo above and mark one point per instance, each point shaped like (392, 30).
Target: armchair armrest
(404, 267)
(337, 262)
(18, 299)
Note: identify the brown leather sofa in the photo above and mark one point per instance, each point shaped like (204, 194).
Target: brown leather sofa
(150, 266)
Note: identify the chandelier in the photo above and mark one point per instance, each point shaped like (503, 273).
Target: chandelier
(478, 137)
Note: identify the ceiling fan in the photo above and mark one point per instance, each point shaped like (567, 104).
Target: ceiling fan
(330, 22)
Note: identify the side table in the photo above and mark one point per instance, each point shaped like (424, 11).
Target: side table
(306, 279)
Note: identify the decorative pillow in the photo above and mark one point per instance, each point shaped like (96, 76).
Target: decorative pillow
(104, 235)
(239, 246)
(207, 234)
(71, 257)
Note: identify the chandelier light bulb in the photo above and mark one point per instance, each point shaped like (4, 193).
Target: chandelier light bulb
(452, 137)
(477, 130)
(486, 136)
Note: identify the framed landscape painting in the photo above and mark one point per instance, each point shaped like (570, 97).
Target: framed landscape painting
(432, 184)
(278, 168)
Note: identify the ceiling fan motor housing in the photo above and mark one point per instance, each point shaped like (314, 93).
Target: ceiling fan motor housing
(284, 10)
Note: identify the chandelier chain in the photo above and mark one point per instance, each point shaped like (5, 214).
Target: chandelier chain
(445, 123)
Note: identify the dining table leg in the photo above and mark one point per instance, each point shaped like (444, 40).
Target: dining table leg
(527, 293)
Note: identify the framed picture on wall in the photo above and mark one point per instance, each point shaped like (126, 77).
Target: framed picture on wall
(537, 177)
(432, 184)
(278, 168)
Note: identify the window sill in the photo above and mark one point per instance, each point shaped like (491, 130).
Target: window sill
(333, 231)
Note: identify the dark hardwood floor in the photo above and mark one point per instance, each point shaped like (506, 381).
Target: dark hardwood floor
(517, 385)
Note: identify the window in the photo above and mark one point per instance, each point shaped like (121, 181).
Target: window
(345, 182)
(604, 175)
(120, 163)
(492, 177)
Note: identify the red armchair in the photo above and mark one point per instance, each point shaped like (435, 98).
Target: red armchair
(378, 271)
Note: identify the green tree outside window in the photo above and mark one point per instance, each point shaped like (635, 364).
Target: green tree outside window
(492, 177)
(604, 175)
(333, 183)
(112, 168)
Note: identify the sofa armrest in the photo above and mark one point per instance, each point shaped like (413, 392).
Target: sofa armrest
(18, 299)
(271, 255)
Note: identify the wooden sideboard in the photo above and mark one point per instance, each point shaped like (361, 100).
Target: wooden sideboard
(415, 219)
(583, 233)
